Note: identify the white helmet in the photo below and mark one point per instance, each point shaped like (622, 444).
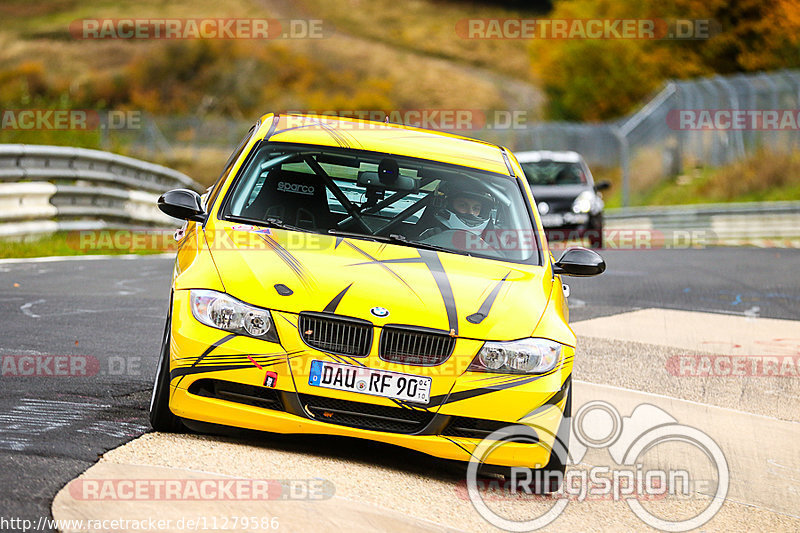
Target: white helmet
(457, 219)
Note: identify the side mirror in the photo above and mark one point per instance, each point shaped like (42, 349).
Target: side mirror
(579, 262)
(183, 204)
(602, 185)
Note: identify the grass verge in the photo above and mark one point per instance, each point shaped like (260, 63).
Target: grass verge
(68, 243)
(763, 177)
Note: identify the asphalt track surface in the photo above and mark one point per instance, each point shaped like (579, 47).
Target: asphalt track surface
(110, 312)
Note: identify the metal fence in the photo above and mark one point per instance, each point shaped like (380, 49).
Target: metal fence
(654, 143)
(647, 145)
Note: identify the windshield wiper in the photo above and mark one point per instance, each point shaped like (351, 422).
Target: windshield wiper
(402, 240)
(366, 236)
(394, 238)
(270, 222)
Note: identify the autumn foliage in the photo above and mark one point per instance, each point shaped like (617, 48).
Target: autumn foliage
(597, 79)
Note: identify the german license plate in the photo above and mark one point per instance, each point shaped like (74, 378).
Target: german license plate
(370, 381)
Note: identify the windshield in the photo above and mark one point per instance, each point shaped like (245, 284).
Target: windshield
(383, 197)
(554, 173)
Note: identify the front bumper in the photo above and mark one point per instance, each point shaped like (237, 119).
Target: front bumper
(574, 228)
(458, 397)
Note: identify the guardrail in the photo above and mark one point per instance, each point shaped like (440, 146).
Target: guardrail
(756, 223)
(51, 188)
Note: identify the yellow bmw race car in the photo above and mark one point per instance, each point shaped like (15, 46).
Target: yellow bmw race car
(370, 280)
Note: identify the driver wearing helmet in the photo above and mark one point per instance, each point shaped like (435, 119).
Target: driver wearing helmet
(467, 209)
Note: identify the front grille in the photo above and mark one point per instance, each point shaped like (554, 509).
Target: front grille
(366, 415)
(415, 346)
(336, 334)
(473, 428)
(237, 392)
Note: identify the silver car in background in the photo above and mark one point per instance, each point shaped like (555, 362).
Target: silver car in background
(570, 203)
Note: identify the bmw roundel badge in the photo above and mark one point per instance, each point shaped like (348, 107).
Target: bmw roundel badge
(380, 312)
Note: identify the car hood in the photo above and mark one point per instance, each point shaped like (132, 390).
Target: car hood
(558, 192)
(294, 272)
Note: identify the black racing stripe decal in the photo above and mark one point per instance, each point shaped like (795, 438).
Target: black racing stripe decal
(472, 393)
(288, 259)
(271, 361)
(348, 137)
(335, 135)
(274, 363)
(210, 349)
(382, 264)
(457, 444)
(239, 355)
(330, 131)
(284, 254)
(431, 260)
(338, 358)
(338, 242)
(513, 381)
(486, 306)
(333, 304)
(345, 137)
(186, 371)
(552, 400)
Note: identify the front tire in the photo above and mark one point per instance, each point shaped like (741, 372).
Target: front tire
(559, 455)
(557, 464)
(161, 418)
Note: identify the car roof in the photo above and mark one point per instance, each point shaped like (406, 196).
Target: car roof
(324, 130)
(534, 156)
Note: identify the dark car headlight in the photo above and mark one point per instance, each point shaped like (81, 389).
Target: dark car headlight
(524, 356)
(584, 203)
(223, 311)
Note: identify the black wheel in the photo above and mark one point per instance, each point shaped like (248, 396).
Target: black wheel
(161, 418)
(595, 234)
(548, 478)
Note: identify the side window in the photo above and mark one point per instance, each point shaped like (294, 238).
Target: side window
(214, 191)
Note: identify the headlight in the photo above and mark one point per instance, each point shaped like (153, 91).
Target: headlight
(543, 208)
(584, 202)
(222, 311)
(526, 356)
